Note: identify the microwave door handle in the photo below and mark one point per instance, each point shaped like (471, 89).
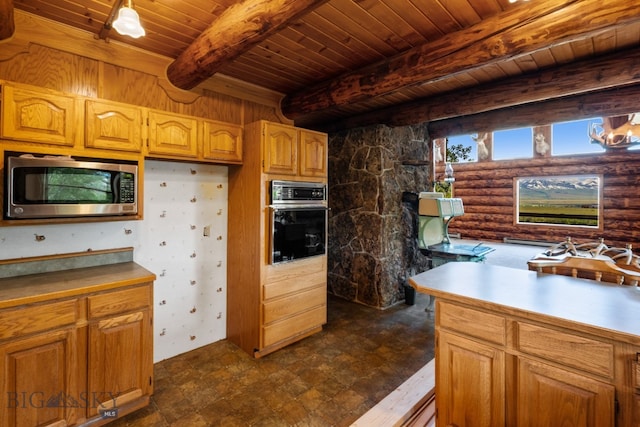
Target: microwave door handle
(115, 186)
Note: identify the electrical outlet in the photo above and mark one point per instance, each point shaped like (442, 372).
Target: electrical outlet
(207, 231)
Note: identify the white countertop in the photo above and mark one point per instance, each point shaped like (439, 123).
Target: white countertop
(608, 308)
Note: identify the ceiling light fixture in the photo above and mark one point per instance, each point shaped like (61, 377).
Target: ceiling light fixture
(128, 22)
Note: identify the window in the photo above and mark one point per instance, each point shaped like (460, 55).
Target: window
(459, 144)
(513, 144)
(572, 200)
(573, 137)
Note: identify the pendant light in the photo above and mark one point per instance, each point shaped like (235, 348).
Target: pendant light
(128, 22)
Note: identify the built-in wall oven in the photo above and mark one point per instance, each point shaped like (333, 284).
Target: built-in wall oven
(298, 214)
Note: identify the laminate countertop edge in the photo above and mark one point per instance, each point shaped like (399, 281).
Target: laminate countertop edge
(600, 308)
(35, 288)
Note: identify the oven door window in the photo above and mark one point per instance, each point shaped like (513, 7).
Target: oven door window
(298, 233)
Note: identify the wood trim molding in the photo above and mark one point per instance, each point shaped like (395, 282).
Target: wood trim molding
(33, 29)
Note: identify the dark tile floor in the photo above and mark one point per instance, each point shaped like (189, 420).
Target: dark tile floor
(328, 379)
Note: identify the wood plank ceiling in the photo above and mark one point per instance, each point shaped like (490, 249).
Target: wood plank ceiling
(341, 63)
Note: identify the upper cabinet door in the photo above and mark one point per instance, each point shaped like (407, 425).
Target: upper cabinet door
(113, 126)
(280, 149)
(222, 141)
(313, 153)
(173, 135)
(38, 116)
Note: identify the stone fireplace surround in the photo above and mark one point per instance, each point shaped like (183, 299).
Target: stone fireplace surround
(372, 232)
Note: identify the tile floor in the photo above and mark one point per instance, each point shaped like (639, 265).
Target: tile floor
(328, 379)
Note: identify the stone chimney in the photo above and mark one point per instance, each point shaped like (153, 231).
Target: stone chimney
(372, 232)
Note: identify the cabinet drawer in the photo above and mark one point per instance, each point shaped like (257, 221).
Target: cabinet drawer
(294, 284)
(488, 327)
(119, 301)
(567, 349)
(299, 268)
(27, 320)
(302, 301)
(295, 325)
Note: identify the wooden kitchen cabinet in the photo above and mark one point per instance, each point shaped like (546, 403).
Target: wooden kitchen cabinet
(296, 152)
(73, 346)
(478, 381)
(113, 126)
(39, 357)
(120, 348)
(269, 306)
(183, 137)
(507, 354)
(546, 394)
(294, 299)
(38, 120)
(280, 149)
(222, 142)
(471, 386)
(172, 135)
(313, 153)
(40, 116)
(39, 381)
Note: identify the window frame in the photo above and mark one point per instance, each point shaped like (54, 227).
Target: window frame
(600, 209)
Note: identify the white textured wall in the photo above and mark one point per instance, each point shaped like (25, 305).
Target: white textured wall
(181, 199)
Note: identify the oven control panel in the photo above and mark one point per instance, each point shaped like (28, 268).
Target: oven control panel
(297, 192)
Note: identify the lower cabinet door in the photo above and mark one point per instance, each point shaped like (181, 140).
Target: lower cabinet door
(120, 361)
(38, 385)
(470, 383)
(548, 396)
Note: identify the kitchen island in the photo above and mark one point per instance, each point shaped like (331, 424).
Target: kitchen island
(516, 347)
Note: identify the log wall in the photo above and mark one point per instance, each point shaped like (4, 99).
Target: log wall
(488, 195)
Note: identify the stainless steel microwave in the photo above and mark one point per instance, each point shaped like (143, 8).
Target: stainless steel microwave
(63, 187)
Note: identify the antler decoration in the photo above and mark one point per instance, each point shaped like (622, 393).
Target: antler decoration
(617, 132)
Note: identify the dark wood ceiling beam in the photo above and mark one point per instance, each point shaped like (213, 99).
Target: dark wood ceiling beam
(238, 28)
(520, 31)
(612, 102)
(7, 24)
(618, 69)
